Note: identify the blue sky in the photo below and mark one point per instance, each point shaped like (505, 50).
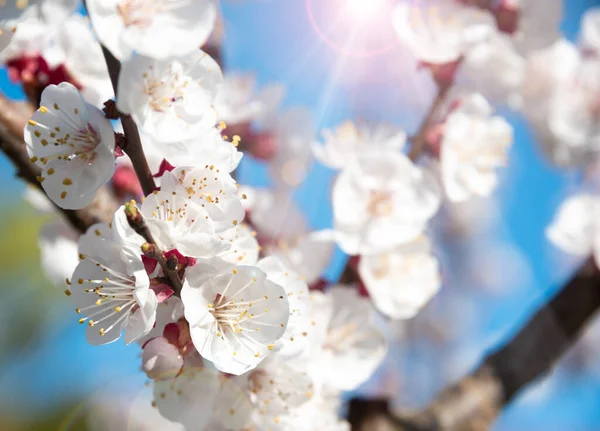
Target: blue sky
(274, 40)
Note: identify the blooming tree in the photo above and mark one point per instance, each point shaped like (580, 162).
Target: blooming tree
(135, 133)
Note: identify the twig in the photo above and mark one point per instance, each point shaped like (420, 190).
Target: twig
(474, 402)
(150, 248)
(13, 117)
(419, 140)
(134, 148)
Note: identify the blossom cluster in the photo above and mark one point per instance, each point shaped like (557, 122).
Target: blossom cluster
(221, 285)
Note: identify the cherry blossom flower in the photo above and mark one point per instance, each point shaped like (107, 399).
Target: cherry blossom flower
(274, 214)
(441, 31)
(575, 226)
(161, 359)
(293, 132)
(352, 346)
(243, 250)
(318, 414)
(532, 25)
(213, 188)
(403, 280)
(83, 59)
(110, 287)
(274, 389)
(235, 317)
(381, 201)
(474, 145)
(73, 143)
(298, 335)
(494, 69)
(239, 103)
(308, 254)
(189, 398)
(154, 29)
(171, 99)
(589, 36)
(58, 251)
(343, 145)
(178, 223)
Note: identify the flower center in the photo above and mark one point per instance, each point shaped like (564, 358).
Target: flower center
(380, 203)
(167, 90)
(138, 12)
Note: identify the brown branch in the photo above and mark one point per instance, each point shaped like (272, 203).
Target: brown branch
(133, 148)
(419, 140)
(474, 402)
(13, 116)
(151, 249)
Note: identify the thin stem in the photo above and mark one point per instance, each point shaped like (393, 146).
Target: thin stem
(150, 248)
(134, 148)
(419, 141)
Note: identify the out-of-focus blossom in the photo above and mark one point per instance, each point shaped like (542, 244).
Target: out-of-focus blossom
(238, 102)
(345, 144)
(575, 227)
(73, 143)
(154, 29)
(400, 282)
(352, 346)
(381, 201)
(589, 36)
(293, 133)
(171, 99)
(58, 251)
(475, 144)
(441, 31)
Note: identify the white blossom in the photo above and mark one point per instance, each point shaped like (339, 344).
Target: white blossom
(298, 335)
(440, 31)
(238, 101)
(73, 143)
(537, 23)
(171, 99)
(110, 287)
(308, 255)
(381, 201)
(178, 223)
(344, 144)
(293, 133)
(152, 28)
(58, 251)
(474, 146)
(161, 359)
(206, 148)
(575, 226)
(352, 346)
(235, 317)
(84, 60)
(189, 398)
(589, 36)
(400, 282)
(494, 69)
(213, 188)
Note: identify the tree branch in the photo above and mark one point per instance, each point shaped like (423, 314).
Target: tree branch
(151, 249)
(474, 402)
(419, 141)
(133, 148)
(13, 116)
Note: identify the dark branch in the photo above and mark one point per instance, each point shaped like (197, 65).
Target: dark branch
(133, 148)
(474, 402)
(419, 141)
(151, 249)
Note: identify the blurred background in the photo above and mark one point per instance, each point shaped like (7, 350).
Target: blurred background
(497, 264)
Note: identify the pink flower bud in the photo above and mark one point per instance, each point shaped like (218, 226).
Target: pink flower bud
(161, 360)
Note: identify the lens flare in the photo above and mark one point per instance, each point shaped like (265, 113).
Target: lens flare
(359, 28)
